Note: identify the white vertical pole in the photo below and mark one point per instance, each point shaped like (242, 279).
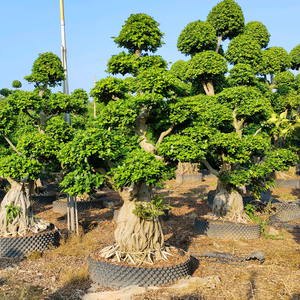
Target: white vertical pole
(67, 117)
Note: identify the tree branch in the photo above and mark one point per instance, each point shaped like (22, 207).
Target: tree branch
(51, 116)
(28, 114)
(103, 172)
(219, 43)
(209, 167)
(12, 145)
(133, 129)
(163, 134)
(205, 87)
(257, 131)
(237, 124)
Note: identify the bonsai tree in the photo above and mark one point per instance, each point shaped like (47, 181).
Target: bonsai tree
(228, 20)
(16, 84)
(34, 132)
(120, 147)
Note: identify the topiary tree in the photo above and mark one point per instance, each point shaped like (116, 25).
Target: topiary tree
(16, 84)
(29, 152)
(228, 20)
(120, 147)
(259, 32)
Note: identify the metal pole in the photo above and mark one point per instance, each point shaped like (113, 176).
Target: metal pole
(76, 215)
(67, 117)
(68, 212)
(72, 209)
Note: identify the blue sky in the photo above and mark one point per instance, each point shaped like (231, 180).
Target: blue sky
(32, 27)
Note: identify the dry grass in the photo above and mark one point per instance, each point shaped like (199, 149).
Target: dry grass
(61, 273)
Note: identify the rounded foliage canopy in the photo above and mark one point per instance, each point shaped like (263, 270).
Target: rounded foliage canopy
(206, 64)
(259, 32)
(179, 69)
(196, 37)
(295, 57)
(140, 32)
(16, 84)
(244, 50)
(227, 18)
(241, 74)
(274, 60)
(47, 69)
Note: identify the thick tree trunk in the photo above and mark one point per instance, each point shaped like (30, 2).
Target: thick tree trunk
(228, 203)
(133, 234)
(17, 196)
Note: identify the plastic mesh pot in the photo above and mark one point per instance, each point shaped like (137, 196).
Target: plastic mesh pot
(116, 276)
(61, 207)
(286, 212)
(19, 246)
(227, 230)
(43, 199)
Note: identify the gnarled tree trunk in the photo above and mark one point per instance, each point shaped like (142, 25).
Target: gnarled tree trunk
(228, 203)
(17, 196)
(133, 234)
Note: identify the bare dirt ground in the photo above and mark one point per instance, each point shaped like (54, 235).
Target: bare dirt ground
(61, 273)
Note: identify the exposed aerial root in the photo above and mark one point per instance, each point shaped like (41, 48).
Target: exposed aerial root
(113, 253)
(243, 218)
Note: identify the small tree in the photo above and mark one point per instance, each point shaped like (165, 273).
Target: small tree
(27, 152)
(16, 84)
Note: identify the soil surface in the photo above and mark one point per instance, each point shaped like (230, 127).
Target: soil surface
(61, 273)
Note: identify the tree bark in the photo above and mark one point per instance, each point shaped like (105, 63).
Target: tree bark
(17, 196)
(133, 234)
(228, 203)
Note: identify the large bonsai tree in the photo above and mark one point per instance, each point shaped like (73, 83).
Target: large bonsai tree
(233, 132)
(32, 133)
(120, 147)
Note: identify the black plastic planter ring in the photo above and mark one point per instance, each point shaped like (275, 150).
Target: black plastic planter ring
(19, 246)
(227, 230)
(116, 276)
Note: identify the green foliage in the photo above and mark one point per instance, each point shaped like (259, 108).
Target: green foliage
(123, 63)
(274, 60)
(5, 92)
(259, 32)
(205, 64)
(241, 74)
(139, 166)
(284, 79)
(227, 18)
(295, 57)
(17, 167)
(247, 101)
(196, 37)
(12, 211)
(16, 84)
(179, 69)
(108, 89)
(46, 70)
(140, 32)
(244, 49)
(151, 211)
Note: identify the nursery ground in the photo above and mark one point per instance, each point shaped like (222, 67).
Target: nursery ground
(61, 273)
